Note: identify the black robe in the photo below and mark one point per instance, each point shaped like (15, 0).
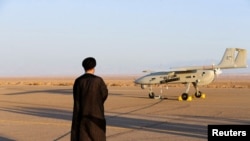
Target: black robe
(88, 121)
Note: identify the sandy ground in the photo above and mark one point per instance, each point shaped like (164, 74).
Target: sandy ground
(40, 109)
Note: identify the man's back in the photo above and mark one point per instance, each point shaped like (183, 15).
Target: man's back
(92, 93)
(88, 122)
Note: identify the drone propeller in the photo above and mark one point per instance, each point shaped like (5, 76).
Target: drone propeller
(217, 72)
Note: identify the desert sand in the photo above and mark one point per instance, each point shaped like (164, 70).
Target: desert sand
(40, 109)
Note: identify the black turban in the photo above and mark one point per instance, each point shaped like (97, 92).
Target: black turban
(88, 63)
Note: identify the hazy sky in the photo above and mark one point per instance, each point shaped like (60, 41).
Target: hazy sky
(52, 37)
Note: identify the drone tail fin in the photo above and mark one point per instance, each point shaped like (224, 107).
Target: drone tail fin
(234, 58)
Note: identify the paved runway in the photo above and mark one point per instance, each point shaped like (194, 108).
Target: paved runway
(43, 113)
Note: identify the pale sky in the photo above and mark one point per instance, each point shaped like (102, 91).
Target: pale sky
(52, 37)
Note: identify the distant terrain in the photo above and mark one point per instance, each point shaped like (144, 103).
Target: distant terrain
(222, 81)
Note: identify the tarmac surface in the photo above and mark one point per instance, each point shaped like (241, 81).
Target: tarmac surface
(43, 113)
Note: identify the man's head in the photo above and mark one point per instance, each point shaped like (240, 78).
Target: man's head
(88, 63)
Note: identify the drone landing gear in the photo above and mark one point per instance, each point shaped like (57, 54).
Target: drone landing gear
(185, 96)
(151, 94)
(198, 94)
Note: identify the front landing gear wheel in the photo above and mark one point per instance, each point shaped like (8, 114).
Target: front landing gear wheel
(198, 94)
(184, 96)
(151, 95)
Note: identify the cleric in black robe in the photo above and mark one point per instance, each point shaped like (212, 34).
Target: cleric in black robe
(89, 94)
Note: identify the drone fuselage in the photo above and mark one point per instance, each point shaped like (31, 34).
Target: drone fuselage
(201, 77)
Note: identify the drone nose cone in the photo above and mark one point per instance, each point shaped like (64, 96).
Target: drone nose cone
(138, 81)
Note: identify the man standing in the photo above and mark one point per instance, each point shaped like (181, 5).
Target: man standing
(89, 94)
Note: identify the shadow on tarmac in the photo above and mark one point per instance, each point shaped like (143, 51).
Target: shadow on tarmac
(5, 139)
(194, 130)
(51, 91)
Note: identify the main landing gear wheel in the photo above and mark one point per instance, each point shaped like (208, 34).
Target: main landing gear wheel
(198, 94)
(184, 96)
(151, 95)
